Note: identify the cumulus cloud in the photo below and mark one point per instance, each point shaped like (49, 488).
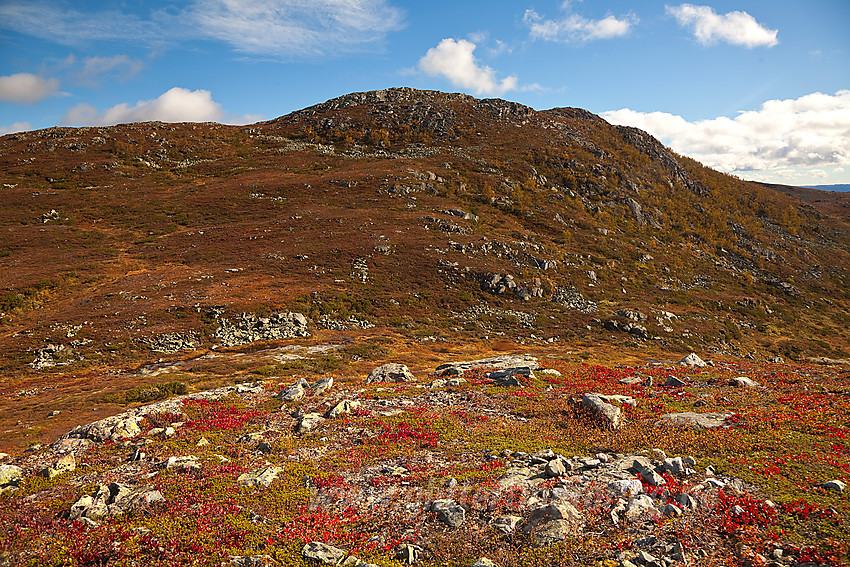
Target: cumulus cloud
(16, 127)
(735, 28)
(27, 88)
(455, 60)
(284, 28)
(175, 105)
(574, 27)
(792, 134)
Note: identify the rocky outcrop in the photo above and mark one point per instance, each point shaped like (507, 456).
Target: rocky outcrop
(249, 327)
(114, 499)
(572, 298)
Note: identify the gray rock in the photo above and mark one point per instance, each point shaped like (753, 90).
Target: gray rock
(294, 392)
(46, 356)
(170, 343)
(498, 362)
(554, 522)
(652, 478)
(323, 553)
(309, 422)
(259, 478)
(114, 499)
(113, 428)
(66, 464)
(321, 386)
(674, 382)
(687, 501)
(626, 487)
(343, 407)
(674, 466)
(697, 420)
(392, 372)
(836, 485)
(641, 505)
(484, 562)
(609, 413)
(449, 512)
(557, 467)
(672, 510)
(510, 376)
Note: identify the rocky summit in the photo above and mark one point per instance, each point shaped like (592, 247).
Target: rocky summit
(408, 327)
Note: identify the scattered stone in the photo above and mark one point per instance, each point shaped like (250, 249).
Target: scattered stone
(557, 467)
(113, 428)
(551, 372)
(697, 420)
(641, 505)
(185, 464)
(631, 380)
(449, 512)
(392, 372)
(323, 553)
(50, 216)
(693, 361)
(570, 297)
(626, 487)
(672, 510)
(202, 442)
(484, 562)
(46, 357)
(171, 343)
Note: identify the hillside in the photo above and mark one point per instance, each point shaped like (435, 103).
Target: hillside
(143, 261)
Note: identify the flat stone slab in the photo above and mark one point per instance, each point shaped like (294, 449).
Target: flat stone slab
(698, 420)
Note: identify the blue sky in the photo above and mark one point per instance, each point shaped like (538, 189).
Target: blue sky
(760, 89)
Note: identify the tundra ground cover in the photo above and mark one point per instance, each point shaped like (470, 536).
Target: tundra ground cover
(355, 481)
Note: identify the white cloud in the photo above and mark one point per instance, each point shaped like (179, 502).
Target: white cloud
(735, 28)
(577, 28)
(272, 28)
(285, 28)
(54, 21)
(175, 105)
(792, 134)
(16, 127)
(118, 67)
(26, 87)
(454, 60)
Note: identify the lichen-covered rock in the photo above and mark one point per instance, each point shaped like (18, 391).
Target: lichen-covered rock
(260, 478)
(449, 512)
(323, 553)
(392, 372)
(343, 407)
(114, 499)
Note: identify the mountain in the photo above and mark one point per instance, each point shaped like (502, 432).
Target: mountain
(833, 187)
(207, 269)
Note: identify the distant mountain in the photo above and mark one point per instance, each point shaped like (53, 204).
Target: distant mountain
(835, 187)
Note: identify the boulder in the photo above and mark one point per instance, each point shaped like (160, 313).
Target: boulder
(495, 363)
(607, 412)
(392, 372)
(510, 376)
(561, 512)
(836, 485)
(693, 361)
(250, 327)
(294, 392)
(10, 477)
